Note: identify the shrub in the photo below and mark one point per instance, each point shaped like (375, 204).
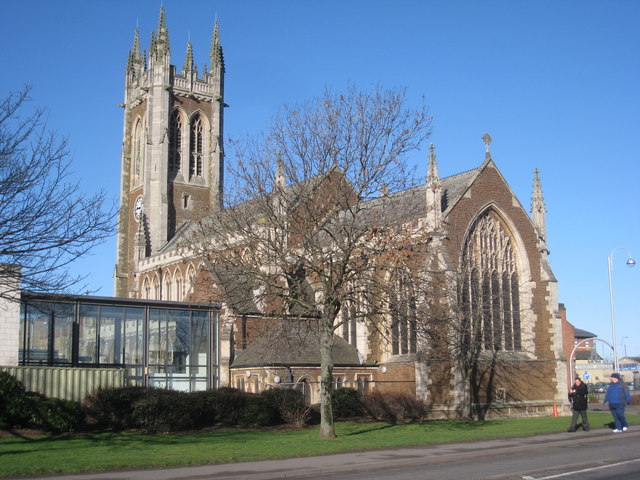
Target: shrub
(113, 407)
(376, 406)
(22, 409)
(57, 415)
(394, 407)
(160, 410)
(346, 402)
(289, 405)
(257, 412)
(164, 411)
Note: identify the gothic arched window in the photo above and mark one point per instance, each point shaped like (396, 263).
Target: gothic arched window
(351, 314)
(136, 154)
(490, 287)
(196, 147)
(403, 306)
(175, 142)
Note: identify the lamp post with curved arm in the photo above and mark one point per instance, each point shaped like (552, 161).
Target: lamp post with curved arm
(630, 262)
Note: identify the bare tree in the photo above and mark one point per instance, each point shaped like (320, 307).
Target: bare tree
(302, 227)
(45, 223)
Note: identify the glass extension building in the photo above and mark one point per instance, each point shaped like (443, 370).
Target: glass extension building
(158, 343)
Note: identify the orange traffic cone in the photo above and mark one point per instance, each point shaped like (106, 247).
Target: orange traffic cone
(555, 409)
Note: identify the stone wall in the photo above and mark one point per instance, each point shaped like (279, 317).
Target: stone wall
(9, 320)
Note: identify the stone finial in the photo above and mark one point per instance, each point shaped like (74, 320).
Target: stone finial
(486, 138)
(188, 59)
(280, 178)
(538, 209)
(432, 171)
(433, 194)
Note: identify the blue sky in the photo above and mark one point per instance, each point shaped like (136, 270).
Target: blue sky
(555, 83)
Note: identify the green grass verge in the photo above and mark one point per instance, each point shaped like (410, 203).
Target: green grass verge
(111, 451)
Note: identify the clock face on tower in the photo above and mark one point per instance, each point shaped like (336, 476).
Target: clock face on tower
(137, 209)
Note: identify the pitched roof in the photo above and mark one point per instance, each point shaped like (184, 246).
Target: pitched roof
(579, 333)
(294, 342)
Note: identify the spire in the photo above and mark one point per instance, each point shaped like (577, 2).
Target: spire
(538, 209)
(135, 57)
(135, 50)
(188, 59)
(433, 194)
(152, 46)
(216, 59)
(160, 42)
(486, 138)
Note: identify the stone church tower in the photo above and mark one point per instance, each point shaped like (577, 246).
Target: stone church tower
(172, 153)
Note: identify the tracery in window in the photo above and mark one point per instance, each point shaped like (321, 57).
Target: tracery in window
(403, 307)
(136, 154)
(351, 313)
(196, 147)
(490, 287)
(175, 142)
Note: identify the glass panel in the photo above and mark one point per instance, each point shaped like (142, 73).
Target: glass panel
(35, 327)
(179, 332)
(88, 334)
(110, 338)
(134, 336)
(157, 338)
(62, 333)
(199, 343)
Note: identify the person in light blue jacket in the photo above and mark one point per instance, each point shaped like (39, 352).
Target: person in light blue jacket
(617, 396)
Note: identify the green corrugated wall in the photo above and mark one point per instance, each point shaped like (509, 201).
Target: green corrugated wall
(67, 383)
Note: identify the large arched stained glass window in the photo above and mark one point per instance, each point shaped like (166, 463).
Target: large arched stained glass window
(490, 287)
(403, 307)
(196, 147)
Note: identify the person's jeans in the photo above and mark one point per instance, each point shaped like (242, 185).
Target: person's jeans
(574, 420)
(617, 412)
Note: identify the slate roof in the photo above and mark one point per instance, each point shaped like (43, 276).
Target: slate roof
(293, 343)
(579, 333)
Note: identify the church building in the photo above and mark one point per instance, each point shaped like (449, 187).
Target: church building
(172, 167)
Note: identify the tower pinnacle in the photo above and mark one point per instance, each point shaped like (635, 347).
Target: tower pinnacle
(188, 59)
(538, 209)
(433, 193)
(160, 42)
(216, 59)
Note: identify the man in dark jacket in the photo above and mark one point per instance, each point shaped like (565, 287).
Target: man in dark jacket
(579, 398)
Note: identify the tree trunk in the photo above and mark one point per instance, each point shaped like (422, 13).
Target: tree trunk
(327, 429)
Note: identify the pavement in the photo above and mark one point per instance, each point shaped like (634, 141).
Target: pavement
(298, 468)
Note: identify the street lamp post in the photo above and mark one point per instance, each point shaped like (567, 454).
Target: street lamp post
(624, 345)
(630, 262)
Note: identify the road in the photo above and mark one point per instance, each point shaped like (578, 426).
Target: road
(581, 457)
(596, 455)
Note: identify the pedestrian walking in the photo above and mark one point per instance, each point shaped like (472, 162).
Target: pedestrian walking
(579, 398)
(617, 397)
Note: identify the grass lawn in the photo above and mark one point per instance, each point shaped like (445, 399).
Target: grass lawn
(78, 453)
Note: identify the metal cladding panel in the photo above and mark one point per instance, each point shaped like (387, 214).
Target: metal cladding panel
(67, 383)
